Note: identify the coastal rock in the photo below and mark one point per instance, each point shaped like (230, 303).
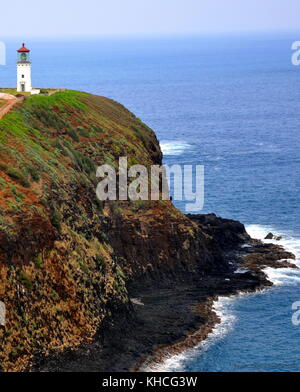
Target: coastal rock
(269, 236)
(175, 315)
(262, 255)
(227, 233)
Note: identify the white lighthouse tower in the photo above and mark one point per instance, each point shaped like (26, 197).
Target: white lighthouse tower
(24, 70)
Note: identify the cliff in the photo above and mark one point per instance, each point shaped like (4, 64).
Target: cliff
(67, 261)
(65, 257)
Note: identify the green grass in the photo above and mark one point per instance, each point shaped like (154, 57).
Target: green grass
(65, 136)
(29, 125)
(19, 176)
(13, 91)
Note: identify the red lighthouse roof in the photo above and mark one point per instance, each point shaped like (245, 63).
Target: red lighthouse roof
(23, 49)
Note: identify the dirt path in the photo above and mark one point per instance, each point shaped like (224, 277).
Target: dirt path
(11, 101)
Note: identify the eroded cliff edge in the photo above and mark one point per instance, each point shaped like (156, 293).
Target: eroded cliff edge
(68, 263)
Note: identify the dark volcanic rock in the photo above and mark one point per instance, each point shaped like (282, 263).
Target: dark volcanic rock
(267, 255)
(227, 233)
(177, 313)
(270, 236)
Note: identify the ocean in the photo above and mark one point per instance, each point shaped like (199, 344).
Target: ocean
(230, 103)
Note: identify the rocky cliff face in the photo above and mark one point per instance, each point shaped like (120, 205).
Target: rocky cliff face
(75, 272)
(66, 259)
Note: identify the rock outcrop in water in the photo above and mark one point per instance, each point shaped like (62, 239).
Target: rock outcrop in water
(70, 264)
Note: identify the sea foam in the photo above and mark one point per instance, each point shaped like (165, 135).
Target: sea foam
(173, 147)
(224, 305)
(175, 363)
(281, 276)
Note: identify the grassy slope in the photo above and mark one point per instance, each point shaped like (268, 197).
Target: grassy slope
(59, 268)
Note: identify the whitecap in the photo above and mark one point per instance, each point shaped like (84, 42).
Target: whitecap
(174, 147)
(224, 305)
(241, 270)
(281, 276)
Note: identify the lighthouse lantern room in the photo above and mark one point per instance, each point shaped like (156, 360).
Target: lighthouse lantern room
(24, 70)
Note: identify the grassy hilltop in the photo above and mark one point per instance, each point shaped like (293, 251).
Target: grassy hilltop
(65, 257)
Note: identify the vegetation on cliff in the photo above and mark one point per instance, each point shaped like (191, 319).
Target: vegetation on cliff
(65, 257)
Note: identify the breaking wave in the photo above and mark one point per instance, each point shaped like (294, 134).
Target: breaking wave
(173, 147)
(224, 306)
(175, 363)
(282, 276)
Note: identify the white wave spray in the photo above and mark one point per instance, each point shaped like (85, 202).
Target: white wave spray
(173, 147)
(223, 306)
(175, 363)
(290, 242)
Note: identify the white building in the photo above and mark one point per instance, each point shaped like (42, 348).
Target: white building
(24, 70)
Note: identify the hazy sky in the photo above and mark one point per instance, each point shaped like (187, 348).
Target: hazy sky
(127, 17)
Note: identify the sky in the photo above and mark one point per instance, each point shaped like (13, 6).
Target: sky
(67, 18)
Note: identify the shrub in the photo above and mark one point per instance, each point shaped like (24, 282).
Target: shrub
(26, 280)
(34, 174)
(120, 272)
(19, 176)
(100, 205)
(18, 196)
(117, 149)
(73, 135)
(139, 134)
(83, 132)
(84, 162)
(38, 261)
(47, 117)
(104, 237)
(56, 219)
(100, 260)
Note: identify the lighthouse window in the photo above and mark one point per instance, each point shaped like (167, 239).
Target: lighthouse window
(23, 76)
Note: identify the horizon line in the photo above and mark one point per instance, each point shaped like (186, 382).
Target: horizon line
(151, 35)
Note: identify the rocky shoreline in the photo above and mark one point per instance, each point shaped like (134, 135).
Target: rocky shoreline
(245, 282)
(169, 317)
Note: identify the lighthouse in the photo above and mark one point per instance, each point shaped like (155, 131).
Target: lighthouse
(24, 70)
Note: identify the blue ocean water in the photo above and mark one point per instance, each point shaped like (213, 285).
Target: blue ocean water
(231, 104)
